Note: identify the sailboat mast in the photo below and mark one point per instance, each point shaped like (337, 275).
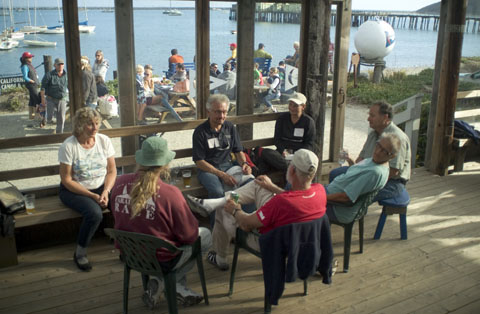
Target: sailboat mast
(59, 16)
(28, 13)
(86, 12)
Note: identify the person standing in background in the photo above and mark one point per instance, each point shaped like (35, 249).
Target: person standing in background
(31, 82)
(88, 84)
(100, 66)
(54, 94)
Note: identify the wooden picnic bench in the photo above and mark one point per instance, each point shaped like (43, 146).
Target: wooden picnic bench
(462, 147)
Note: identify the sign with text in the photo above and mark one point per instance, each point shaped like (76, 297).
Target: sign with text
(11, 81)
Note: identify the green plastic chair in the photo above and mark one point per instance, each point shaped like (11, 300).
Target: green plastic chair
(241, 242)
(366, 200)
(139, 253)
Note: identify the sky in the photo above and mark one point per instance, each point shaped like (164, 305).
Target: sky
(379, 5)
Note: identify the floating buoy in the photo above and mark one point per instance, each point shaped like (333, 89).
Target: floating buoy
(374, 39)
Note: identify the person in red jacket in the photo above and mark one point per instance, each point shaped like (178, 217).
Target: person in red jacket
(142, 202)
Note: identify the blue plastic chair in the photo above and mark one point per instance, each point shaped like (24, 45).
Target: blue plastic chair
(394, 205)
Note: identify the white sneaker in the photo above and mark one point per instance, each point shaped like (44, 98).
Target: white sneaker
(187, 297)
(274, 109)
(197, 206)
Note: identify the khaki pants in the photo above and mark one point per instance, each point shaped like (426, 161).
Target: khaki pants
(222, 235)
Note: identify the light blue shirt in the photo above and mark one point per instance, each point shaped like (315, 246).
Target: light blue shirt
(361, 178)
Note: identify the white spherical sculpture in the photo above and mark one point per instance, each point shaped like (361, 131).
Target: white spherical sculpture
(374, 39)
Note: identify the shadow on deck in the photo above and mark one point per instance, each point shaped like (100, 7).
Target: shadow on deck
(435, 271)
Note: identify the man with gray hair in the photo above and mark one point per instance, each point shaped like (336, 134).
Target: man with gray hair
(276, 207)
(368, 175)
(380, 118)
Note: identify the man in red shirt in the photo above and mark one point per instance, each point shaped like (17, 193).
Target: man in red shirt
(175, 57)
(276, 207)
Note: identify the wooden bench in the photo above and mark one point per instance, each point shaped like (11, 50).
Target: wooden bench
(462, 147)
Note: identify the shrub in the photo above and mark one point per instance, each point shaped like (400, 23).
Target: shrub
(113, 87)
(14, 103)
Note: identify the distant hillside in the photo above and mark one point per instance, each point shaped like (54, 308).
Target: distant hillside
(473, 8)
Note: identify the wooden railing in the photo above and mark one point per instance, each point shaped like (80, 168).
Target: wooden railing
(407, 112)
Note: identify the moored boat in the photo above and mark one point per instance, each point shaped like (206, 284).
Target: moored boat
(39, 43)
(8, 43)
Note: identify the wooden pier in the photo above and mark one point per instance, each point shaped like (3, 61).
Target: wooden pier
(398, 20)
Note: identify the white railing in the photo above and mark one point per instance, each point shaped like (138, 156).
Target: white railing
(410, 117)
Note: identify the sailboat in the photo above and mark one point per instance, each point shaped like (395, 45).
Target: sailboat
(172, 12)
(6, 42)
(37, 41)
(30, 29)
(83, 27)
(57, 29)
(11, 32)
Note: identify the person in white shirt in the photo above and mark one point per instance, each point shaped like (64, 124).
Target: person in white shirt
(87, 173)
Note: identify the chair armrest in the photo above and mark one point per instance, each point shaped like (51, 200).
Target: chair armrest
(348, 204)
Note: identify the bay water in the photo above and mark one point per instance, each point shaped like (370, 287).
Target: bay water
(157, 33)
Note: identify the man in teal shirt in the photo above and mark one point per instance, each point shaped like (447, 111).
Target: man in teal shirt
(368, 175)
(380, 118)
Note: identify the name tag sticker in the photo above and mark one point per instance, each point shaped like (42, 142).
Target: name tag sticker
(213, 142)
(298, 132)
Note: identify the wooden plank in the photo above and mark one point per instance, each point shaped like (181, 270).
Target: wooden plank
(467, 113)
(126, 131)
(245, 82)
(436, 80)
(468, 94)
(448, 86)
(202, 47)
(339, 93)
(316, 53)
(125, 43)
(72, 52)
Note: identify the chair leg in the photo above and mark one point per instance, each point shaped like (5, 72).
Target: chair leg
(360, 236)
(201, 273)
(346, 246)
(267, 306)
(171, 292)
(126, 283)
(380, 224)
(305, 287)
(234, 267)
(403, 227)
(145, 279)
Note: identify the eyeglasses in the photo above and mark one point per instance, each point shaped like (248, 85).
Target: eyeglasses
(383, 149)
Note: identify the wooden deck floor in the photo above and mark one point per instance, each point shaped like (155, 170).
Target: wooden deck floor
(435, 271)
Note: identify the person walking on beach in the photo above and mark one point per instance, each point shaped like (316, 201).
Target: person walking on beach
(88, 84)
(54, 94)
(31, 82)
(100, 66)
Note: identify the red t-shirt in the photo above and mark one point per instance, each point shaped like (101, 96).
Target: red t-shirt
(166, 216)
(175, 59)
(293, 206)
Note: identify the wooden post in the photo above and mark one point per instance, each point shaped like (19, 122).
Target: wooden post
(305, 16)
(47, 63)
(447, 87)
(202, 59)
(126, 72)
(245, 43)
(436, 79)
(339, 93)
(315, 63)
(72, 51)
